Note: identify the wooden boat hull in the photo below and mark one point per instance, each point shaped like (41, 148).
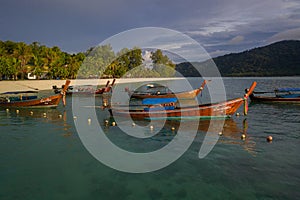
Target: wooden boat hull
(47, 102)
(103, 90)
(52, 101)
(263, 99)
(214, 110)
(223, 109)
(87, 90)
(180, 95)
(107, 88)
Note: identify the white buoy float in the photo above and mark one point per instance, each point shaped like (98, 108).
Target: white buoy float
(113, 123)
(269, 138)
(243, 136)
(89, 121)
(17, 111)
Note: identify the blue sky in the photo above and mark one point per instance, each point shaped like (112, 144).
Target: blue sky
(219, 26)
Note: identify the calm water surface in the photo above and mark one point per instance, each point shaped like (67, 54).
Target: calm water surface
(43, 157)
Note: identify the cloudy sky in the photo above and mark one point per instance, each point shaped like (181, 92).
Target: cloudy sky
(219, 26)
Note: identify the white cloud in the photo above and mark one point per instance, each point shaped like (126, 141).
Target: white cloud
(236, 40)
(147, 58)
(229, 23)
(211, 23)
(237, 16)
(292, 34)
(218, 53)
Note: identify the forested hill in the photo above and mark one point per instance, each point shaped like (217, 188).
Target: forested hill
(277, 59)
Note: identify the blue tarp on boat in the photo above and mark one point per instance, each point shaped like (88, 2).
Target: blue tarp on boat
(287, 90)
(151, 101)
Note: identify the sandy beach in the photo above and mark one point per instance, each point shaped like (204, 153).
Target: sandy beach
(35, 85)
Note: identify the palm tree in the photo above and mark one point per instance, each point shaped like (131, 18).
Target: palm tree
(23, 53)
(74, 62)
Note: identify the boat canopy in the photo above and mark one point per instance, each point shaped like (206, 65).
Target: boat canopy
(19, 92)
(287, 90)
(151, 101)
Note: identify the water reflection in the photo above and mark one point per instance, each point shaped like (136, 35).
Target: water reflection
(26, 116)
(228, 131)
(238, 134)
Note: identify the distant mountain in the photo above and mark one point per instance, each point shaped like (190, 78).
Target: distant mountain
(277, 59)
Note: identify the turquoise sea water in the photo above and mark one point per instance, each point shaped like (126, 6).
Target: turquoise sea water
(42, 157)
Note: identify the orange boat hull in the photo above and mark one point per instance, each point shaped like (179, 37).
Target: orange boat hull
(47, 102)
(213, 110)
(51, 101)
(223, 109)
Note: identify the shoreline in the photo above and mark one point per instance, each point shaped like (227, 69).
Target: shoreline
(36, 85)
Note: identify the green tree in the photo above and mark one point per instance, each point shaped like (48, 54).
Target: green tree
(2, 49)
(162, 64)
(56, 61)
(8, 66)
(142, 72)
(73, 63)
(96, 62)
(37, 61)
(10, 47)
(23, 53)
(127, 60)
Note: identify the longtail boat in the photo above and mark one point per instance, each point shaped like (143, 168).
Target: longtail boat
(47, 102)
(281, 95)
(86, 89)
(158, 91)
(105, 89)
(170, 110)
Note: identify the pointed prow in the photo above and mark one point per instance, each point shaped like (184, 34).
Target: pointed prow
(63, 92)
(250, 90)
